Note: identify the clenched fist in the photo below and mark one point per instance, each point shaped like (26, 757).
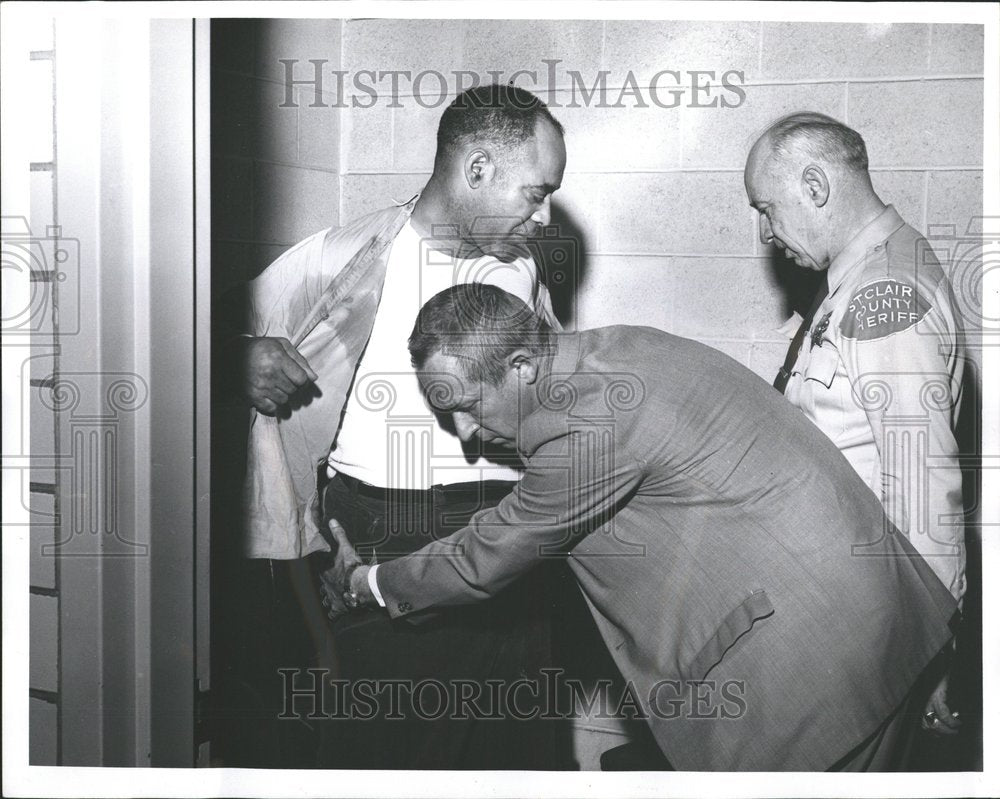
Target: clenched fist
(273, 370)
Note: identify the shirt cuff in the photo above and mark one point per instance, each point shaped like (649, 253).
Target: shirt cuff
(373, 585)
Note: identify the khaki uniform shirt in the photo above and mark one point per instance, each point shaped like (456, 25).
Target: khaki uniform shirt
(880, 373)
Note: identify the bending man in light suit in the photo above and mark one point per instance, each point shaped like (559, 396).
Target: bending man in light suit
(722, 543)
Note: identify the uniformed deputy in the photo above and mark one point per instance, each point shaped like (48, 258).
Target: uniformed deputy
(876, 363)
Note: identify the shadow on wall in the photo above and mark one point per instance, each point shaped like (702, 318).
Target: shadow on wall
(966, 687)
(797, 284)
(561, 254)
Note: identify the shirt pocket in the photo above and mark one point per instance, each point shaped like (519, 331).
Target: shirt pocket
(738, 622)
(822, 366)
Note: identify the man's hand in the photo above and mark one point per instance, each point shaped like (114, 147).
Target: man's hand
(333, 595)
(273, 370)
(347, 574)
(938, 717)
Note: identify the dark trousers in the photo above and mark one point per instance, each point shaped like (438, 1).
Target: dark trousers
(436, 694)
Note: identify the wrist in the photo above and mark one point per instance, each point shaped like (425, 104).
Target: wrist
(357, 583)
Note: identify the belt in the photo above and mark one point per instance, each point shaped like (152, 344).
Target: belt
(490, 490)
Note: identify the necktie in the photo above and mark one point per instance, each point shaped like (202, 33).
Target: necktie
(785, 372)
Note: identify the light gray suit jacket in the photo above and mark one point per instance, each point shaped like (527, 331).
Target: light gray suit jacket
(744, 578)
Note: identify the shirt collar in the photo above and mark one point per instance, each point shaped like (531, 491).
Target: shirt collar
(872, 235)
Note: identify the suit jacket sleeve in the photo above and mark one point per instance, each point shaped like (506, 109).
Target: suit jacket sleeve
(572, 488)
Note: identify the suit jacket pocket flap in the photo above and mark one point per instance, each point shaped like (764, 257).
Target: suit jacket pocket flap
(739, 621)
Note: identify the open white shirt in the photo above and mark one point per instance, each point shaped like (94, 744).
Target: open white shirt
(389, 437)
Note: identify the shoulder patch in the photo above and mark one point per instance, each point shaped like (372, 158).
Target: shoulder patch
(882, 308)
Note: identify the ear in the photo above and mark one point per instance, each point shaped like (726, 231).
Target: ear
(479, 168)
(817, 185)
(525, 364)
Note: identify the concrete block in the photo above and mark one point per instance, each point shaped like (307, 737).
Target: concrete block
(726, 298)
(919, 124)
(956, 49)
(43, 422)
(43, 732)
(319, 130)
(621, 290)
(40, 366)
(274, 128)
(42, 535)
(650, 46)
(955, 204)
(597, 138)
(232, 198)
(606, 139)
(42, 507)
(363, 194)
(33, 264)
(403, 44)
(292, 202)
(857, 50)
(367, 138)
(41, 559)
(414, 134)
(955, 198)
(42, 211)
(43, 643)
(675, 213)
(38, 113)
(905, 190)
(510, 45)
(719, 138)
(300, 39)
(42, 425)
(766, 357)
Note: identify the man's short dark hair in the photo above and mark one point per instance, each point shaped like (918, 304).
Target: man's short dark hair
(822, 136)
(502, 114)
(479, 324)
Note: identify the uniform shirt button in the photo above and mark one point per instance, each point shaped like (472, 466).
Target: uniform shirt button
(404, 607)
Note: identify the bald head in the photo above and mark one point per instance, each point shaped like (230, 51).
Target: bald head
(807, 175)
(818, 137)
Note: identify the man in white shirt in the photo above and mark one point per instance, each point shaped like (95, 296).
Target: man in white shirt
(328, 367)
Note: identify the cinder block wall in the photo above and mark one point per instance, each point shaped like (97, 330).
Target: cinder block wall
(655, 196)
(275, 157)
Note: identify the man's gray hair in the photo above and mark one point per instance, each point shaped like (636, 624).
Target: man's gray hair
(480, 325)
(821, 136)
